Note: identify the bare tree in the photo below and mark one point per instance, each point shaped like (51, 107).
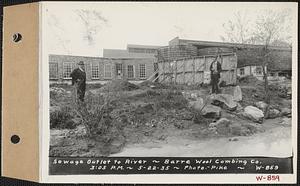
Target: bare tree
(268, 29)
(238, 30)
(92, 21)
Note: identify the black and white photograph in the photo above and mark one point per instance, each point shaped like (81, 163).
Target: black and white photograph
(170, 80)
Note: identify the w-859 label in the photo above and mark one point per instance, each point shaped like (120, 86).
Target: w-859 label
(268, 178)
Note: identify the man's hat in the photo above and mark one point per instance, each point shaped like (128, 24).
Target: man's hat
(81, 63)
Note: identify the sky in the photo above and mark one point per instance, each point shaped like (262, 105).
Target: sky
(85, 28)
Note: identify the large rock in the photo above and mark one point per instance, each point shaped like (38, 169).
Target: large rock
(274, 113)
(254, 114)
(261, 105)
(222, 126)
(211, 111)
(225, 101)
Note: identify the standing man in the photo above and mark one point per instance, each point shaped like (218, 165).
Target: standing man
(78, 79)
(215, 71)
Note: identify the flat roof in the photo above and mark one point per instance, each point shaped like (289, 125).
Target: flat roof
(227, 44)
(143, 46)
(96, 57)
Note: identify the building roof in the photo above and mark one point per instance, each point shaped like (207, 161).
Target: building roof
(203, 44)
(115, 53)
(143, 46)
(118, 53)
(96, 58)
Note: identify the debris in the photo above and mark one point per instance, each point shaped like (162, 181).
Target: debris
(225, 101)
(254, 114)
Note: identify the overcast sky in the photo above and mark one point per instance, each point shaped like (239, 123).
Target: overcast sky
(137, 23)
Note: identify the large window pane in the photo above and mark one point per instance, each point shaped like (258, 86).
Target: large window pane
(95, 71)
(67, 69)
(53, 70)
(142, 71)
(107, 70)
(130, 70)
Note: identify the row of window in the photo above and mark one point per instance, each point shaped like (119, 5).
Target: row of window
(258, 71)
(69, 66)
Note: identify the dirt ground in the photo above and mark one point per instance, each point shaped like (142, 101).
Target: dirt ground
(156, 120)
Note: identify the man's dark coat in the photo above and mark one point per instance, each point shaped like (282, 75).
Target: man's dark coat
(79, 78)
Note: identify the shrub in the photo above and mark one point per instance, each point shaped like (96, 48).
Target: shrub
(95, 114)
(62, 119)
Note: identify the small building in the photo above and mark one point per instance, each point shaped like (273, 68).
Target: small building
(280, 63)
(254, 70)
(100, 69)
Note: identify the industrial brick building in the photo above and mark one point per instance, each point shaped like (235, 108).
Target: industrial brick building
(161, 63)
(136, 63)
(100, 69)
